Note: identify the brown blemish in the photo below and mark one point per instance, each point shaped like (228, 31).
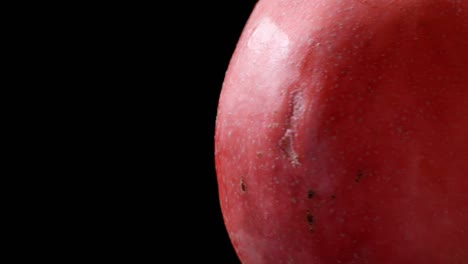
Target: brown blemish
(242, 185)
(259, 154)
(310, 220)
(310, 194)
(333, 197)
(359, 176)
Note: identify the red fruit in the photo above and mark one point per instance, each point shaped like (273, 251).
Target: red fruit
(342, 133)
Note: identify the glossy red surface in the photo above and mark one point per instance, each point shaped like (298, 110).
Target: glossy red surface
(341, 133)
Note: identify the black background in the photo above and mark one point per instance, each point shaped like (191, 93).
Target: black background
(142, 194)
(133, 193)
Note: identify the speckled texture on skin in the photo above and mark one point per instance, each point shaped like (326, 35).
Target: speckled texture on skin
(341, 133)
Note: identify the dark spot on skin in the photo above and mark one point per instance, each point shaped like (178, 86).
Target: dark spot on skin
(310, 220)
(359, 176)
(333, 197)
(242, 184)
(259, 154)
(310, 194)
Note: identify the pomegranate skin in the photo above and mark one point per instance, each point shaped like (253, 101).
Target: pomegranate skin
(342, 133)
